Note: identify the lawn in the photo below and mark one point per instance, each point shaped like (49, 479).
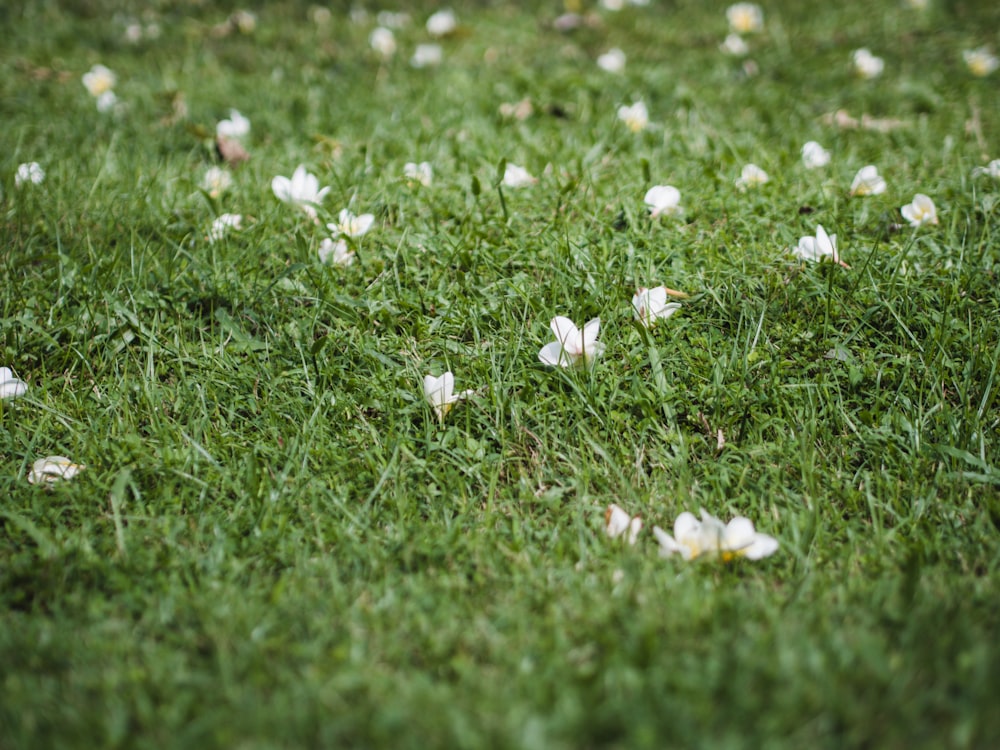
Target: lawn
(266, 534)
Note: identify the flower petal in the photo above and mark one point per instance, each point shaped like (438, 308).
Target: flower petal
(553, 354)
(282, 188)
(762, 546)
(567, 334)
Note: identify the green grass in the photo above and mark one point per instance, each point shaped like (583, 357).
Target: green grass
(275, 544)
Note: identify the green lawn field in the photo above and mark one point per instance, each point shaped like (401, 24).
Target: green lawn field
(229, 287)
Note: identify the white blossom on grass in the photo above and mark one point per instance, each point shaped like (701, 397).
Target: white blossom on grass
(349, 225)
(99, 80)
(335, 252)
(663, 200)
(814, 155)
(617, 522)
(709, 537)
(517, 177)
(106, 101)
(920, 212)
(734, 45)
(745, 18)
(427, 56)
(990, 170)
(30, 173)
(235, 126)
(868, 182)
(52, 469)
(866, 64)
(223, 224)
(751, 176)
(650, 305)
(820, 247)
(383, 41)
(301, 190)
(422, 172)
(573, 347)
(216, 181)
(442, 23)
(635, 116)
(981, 62)
(11, 386)
(612, 61)
(440, 394)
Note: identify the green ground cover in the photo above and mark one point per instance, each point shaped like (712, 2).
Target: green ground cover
(276, 543)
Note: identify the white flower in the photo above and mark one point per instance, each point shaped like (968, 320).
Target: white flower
(920, 212)
(518, 110)
(426, 56)
(29, 173)
(222, 224)
(613, 5)
(617, 522)
(745, 18)
(106, 101)
(10, 386)
(383, 41)
(818, 248)
(216, 181)
(612, 61)
(336, 252)
(868, 182)
(866, 64)
(981, 62)
(710, 537)
(349, 225)
(422, 172)
(572, 346)
(990, 170)
(237, 126)
(99, 80)
(442, 23)
(133, 33)
(663, 200)
(301, 190)
(649, 305)
(751, 176)
(635, 117)
(52, 469)
(734, 45)
(517, 177)
(814, 155)
(440, 393)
